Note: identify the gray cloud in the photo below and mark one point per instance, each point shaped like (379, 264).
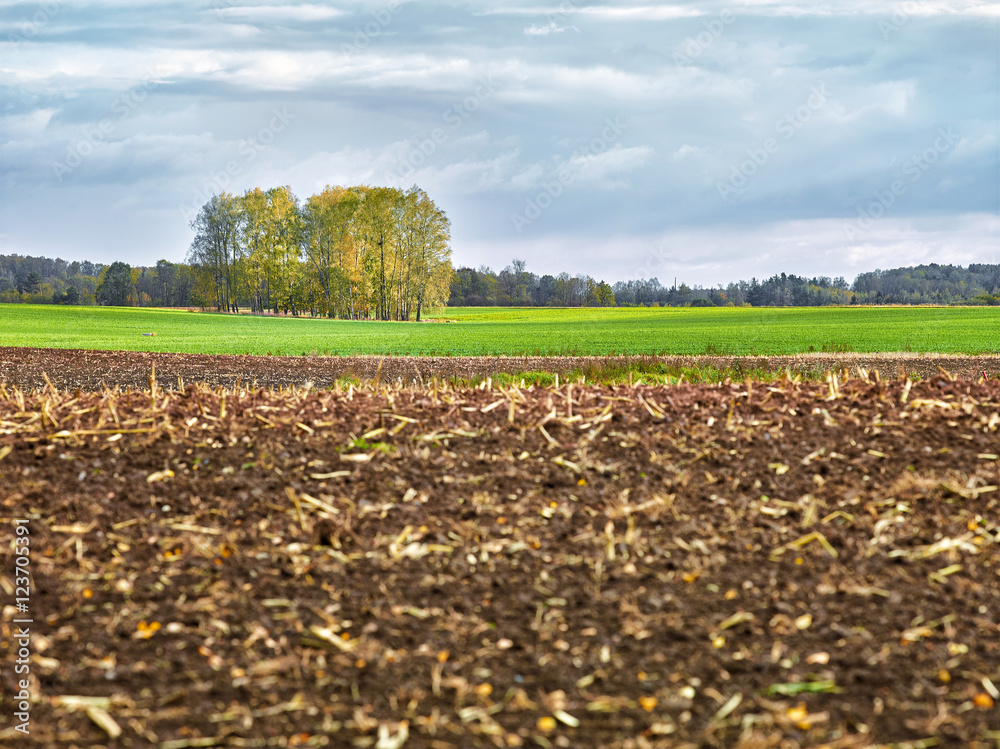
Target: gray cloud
(726, 157)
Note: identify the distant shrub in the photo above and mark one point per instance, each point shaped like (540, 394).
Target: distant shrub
(984, 300)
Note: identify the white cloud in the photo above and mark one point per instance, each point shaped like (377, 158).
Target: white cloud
(873, 102)
(640, 12)
(28, 126)
(272, 13)
(925, 8)
(601, 168)
(646, 12)
(550, 28)
(688, 151)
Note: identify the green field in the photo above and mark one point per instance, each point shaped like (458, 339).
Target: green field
(494, 331)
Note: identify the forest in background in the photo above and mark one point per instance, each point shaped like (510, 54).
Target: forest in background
(935, 284)
(38, 280)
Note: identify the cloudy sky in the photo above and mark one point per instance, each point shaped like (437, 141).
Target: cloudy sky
(708, 141)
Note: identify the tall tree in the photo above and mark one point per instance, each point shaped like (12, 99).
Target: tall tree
(427, 233)
(326, 232)
(283, 247)
(378, 229)
(115, 288)
(215, 247)
(254, 252)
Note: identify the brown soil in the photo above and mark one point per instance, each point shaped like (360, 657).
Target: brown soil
(89, 370)
(743, 565)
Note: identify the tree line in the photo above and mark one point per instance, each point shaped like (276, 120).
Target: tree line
(39, 280)
(349, 252)
(979, 284)
(514, 286)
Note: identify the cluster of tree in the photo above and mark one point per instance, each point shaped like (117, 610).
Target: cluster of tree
(166, 285)
(41, 280)
(516, 287)
(648, 292)
(790, 291)
(979, 284)
(350, 252)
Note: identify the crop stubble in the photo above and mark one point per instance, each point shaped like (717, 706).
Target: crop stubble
(91, 370)
(732, 565)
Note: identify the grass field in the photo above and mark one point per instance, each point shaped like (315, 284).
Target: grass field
(496, 331)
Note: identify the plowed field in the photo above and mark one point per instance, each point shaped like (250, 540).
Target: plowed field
(585, 566)
(91, 370)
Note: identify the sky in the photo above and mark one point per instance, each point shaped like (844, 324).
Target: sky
(704, 141)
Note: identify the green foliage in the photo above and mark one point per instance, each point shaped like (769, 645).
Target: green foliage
(116, 289)
(359, 252)
(930, 284)
(517, 332)
(359, 443)
(793, 689)
(32, 284)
